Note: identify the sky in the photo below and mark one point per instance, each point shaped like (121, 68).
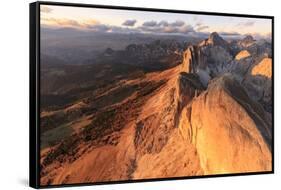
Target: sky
(125, 21)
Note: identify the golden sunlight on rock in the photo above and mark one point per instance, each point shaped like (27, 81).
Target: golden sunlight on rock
(242, 54)
(263, 68)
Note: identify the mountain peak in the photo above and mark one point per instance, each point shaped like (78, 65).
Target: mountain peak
(216, 39)
(248, 38)
(214, 35)
(247, 41)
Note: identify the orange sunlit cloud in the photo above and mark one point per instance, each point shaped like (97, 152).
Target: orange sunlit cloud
(107, 20)
(58, 22)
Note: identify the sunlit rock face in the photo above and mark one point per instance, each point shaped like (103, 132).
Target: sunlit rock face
(242, 55)
(258, 83)
(264, 68)
(228, 135)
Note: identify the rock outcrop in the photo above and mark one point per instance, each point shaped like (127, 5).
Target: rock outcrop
(208, 59)
(258, 83)
(230, 132)
(232, 112)
(214, 40)
(264, 68)
(247, 41)
(242, 55)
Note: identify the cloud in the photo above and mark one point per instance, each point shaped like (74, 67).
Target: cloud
(129, 22)
(258, 36)
(60, 22)
(148, 29)
(167, 28)
(229, 33)
(99, 28)
(202, 34)
(176, 27)
(87, 25)
(45, 9)
(246, 24)
(186, 29)
(111, 29)
(163, 23)
(150, 23)
(202, 27)
(64, 22)
(177, 23)
(162, 27)
(90, 22)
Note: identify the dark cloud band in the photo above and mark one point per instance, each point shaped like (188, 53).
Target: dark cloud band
(129, 22)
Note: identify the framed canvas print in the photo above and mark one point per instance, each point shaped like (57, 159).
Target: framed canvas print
(122, 94)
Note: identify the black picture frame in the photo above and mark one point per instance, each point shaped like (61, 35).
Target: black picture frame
(34, 91)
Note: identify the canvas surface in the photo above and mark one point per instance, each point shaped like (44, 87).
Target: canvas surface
(130, 95)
